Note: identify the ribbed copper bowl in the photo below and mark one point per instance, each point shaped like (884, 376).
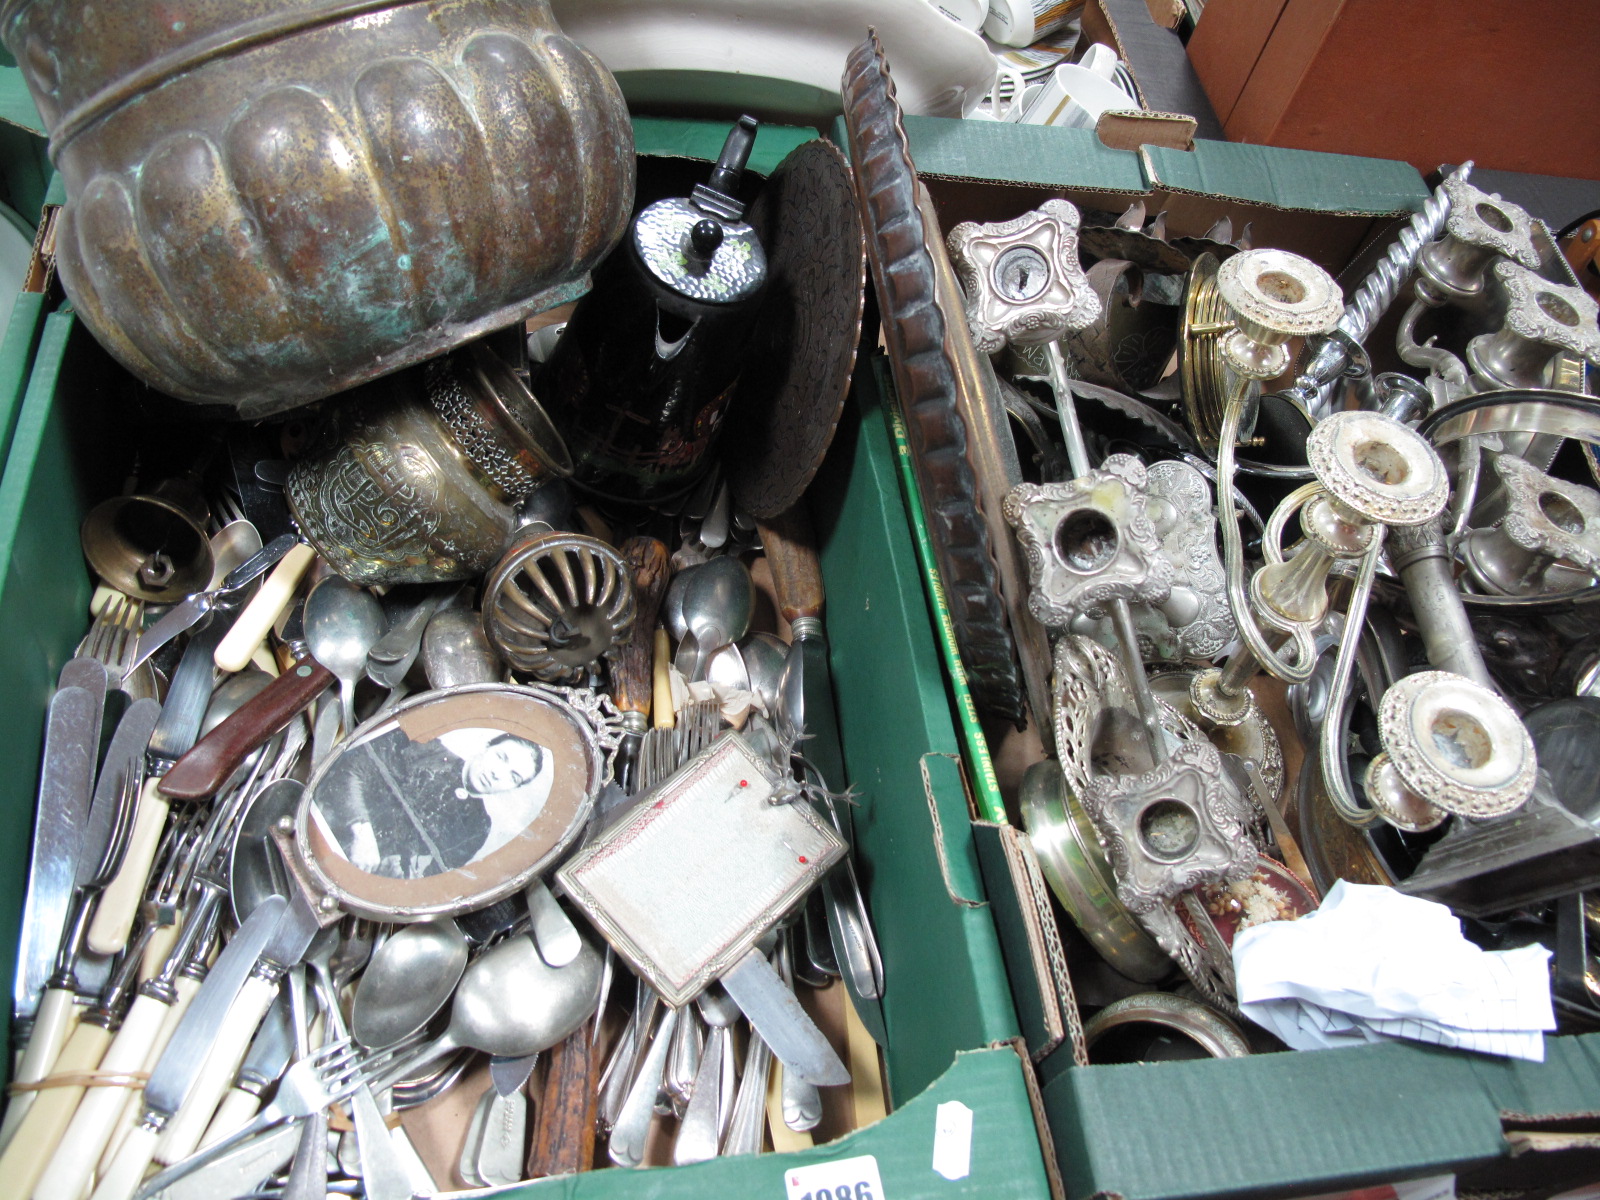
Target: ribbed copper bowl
(274, 200)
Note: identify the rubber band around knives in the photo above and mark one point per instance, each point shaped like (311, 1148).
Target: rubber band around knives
(339, 1121)
(83, 1079)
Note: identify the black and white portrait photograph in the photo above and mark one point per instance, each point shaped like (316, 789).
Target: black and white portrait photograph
(407, 809)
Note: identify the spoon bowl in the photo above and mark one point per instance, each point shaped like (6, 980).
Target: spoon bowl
(232, 546)
(672, 603)
(764, 655)
(233, 694)
(456, 651)
(551, 1002)
(718, 603)
(343, 622)
(409, 978)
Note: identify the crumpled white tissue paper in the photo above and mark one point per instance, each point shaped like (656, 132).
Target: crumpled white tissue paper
(1372, 963)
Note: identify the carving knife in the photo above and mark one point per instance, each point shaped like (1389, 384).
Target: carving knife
(181, 1062)
(797, 577)
(188, 613)
(181, 715)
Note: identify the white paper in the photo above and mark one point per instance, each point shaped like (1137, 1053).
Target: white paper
(1372, 963)
(846, 1179)
(952, 1140)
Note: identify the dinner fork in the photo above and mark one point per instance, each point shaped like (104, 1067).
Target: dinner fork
(113, 638)
(326, 1076)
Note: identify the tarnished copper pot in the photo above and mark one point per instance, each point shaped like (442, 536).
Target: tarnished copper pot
(274, 200)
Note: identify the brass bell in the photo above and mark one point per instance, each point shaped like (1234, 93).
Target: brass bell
(151, 545)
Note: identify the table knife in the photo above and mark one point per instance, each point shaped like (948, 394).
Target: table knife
(181, 715)
(66, 784)
(181, 1062)
(776, 1015)
(286, 948)
(98, 850)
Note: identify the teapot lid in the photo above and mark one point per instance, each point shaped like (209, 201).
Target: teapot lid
(700, 246)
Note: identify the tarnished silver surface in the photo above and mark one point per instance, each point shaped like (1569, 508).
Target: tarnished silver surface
(1538, 321)
(1419, 553)
(556, 603)
(1168, 829)
(734, 271)
(1074, 862)
(1252, 738)
(1194, 621)
(1089, 541)
(1396, 803)
(1548, 540)
(1163, 830)
(1326, 359)
(1274, 295)
(1022, 277)
(1379, 468)
(1481, 229)
(1457, 744)
(1205, 1027)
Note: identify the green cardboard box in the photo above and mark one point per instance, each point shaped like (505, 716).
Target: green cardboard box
(947, 1005)
(1278, 1125)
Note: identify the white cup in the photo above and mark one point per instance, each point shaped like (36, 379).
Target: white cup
(1074, 97)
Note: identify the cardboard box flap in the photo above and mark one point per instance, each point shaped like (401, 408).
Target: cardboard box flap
(665, 138)
(1030, 941)
(1566, 1085)
(1130, 130)
(1399, 1110)
(1042, 156)
(1292, 179)
(1154, 56)
(1003, 152)
(16, 105)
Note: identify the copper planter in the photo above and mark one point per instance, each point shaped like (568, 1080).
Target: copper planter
(274, 200)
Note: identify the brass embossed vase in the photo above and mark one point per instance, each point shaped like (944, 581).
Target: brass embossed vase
(270, 201)
(414, 478)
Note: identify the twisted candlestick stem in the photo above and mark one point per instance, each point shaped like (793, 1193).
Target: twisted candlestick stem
(1373, 298)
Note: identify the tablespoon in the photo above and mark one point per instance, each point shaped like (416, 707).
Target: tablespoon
(550, 1002)
(410, 978)
(700, 1132)
(718, 604)
(764, 656)
(342, 624)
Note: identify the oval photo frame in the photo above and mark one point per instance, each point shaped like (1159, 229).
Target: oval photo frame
(457, 799)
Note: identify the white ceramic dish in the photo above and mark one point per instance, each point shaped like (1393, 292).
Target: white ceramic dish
(778, 60)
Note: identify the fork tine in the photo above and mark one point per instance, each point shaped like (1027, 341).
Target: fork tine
(120, 652)
(95, 640)
(329, 1049)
